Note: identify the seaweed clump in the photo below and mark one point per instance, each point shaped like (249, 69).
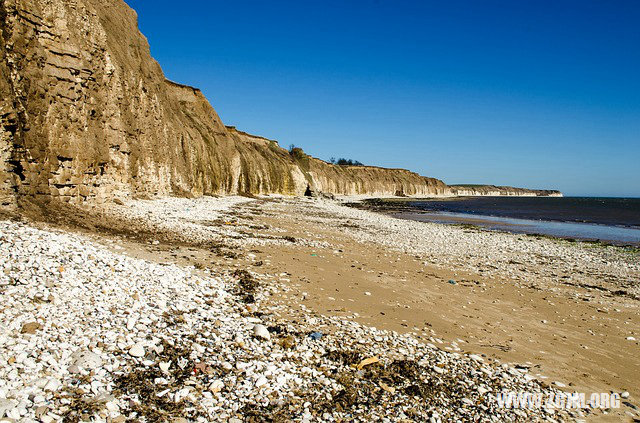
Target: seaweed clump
(247, 286)
(145, 398)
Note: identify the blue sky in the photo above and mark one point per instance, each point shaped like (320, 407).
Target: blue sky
(539, 94)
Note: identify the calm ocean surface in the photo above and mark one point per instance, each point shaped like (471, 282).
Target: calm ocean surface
(615, 220)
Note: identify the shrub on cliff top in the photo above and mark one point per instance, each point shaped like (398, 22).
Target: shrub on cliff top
(296, 152)
(348, 162)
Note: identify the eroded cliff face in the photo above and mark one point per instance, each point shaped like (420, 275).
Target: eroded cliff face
(498, 191)
(87, 114)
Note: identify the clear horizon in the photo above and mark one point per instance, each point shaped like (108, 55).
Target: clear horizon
(541, 95)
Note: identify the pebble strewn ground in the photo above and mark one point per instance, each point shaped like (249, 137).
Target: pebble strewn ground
(88, 334)
(227, 220)
(523, 259)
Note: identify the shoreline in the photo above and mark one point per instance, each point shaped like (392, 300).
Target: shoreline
(322, 267)
(574, 230)
(502, 224)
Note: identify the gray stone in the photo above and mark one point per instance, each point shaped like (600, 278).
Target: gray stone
(86, 359)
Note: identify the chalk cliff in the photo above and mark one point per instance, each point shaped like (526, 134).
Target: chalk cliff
(494, 190)
(86, 114)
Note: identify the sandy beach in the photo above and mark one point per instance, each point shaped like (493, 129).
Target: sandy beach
(279, 301)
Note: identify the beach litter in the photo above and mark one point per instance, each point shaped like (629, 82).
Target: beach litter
(315, 335)
(367, 361)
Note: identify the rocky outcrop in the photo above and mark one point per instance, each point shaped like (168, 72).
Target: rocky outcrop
(86, 114)
(498, 191)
